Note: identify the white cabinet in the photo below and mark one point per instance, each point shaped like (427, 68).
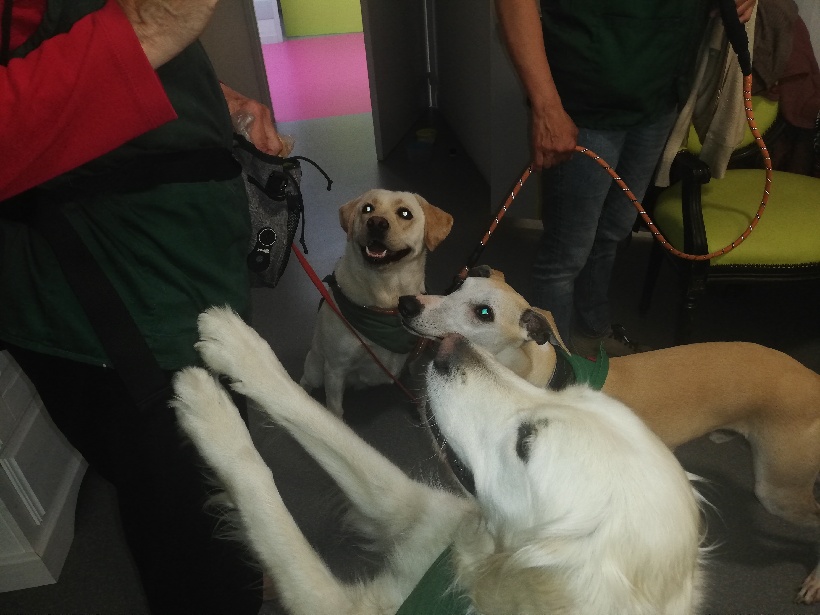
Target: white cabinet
(40, 475)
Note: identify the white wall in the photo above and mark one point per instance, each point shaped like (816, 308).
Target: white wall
(268, 19)
(464, 84)
(232, 43)
(481, 98)
(510, 122)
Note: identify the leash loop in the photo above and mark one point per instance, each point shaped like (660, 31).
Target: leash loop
(767, 161)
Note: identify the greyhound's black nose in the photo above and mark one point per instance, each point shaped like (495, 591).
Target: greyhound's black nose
(409, 306)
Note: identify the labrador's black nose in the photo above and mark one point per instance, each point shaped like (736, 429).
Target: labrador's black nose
(377, 226)
(409, 306)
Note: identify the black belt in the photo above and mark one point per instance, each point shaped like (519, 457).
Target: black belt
(144, 173)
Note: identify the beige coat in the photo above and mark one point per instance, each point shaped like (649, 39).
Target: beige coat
(715, 105)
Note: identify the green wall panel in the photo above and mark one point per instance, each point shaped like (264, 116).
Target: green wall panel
(317, 17)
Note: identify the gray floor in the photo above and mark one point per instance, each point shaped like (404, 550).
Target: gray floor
(758, 561)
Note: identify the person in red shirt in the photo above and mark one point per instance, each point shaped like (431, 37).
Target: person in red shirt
(81, 94)
(91, 89)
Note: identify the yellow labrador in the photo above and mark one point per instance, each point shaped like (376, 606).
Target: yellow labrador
(388, 237)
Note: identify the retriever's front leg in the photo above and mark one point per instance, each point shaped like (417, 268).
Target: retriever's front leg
(209, 418)
(375, 486)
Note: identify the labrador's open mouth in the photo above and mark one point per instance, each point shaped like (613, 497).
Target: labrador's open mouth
(376, 253)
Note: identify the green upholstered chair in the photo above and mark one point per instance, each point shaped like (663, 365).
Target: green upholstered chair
(699, 216)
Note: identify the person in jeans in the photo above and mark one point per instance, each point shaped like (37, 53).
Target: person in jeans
(609, 77)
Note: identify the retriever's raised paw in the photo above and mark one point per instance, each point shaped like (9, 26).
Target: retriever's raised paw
(207, 415)
(232, 348)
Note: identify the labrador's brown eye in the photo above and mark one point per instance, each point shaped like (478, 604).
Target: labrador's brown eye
(367, 208)
(405, 213)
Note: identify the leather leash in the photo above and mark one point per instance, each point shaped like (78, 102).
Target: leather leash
(767, 161)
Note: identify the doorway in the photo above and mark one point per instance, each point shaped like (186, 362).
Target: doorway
(314, 56)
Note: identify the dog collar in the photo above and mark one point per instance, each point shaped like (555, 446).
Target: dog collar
(382, 326)
(435, 593)
(562, 375)
(584, 371)
(459, 470)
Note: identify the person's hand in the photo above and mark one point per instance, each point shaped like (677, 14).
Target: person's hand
(745, 8)
(554, 136)
(261, 130)
(166, 27)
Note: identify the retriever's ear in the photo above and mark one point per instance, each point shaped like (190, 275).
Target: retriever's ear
(347, 213)
(542, 324)
(437, 224)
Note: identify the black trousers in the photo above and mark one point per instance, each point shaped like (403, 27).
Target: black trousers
(161, 488)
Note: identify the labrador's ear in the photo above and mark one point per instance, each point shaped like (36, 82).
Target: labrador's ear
(347, 214)
(541, 323)
(437, 224)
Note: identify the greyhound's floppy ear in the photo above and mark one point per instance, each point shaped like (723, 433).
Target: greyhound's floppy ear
(540, 326)
(480, 271)
(437, 224)
(485, 271)
(536, 325)
(347, 213)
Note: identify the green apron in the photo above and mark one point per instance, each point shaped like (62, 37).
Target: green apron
(170, 250)
(618, 64)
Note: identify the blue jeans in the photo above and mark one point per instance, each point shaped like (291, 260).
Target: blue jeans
(585, 216)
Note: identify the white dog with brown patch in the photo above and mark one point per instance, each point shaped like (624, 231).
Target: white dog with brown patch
(388, 237)
(682, 392)
(576, 507)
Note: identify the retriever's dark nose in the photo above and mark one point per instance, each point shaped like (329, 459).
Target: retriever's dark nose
(409, 306)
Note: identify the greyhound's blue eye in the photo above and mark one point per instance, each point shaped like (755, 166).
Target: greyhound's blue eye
(484, 313)
(405, 213)
(367, 208)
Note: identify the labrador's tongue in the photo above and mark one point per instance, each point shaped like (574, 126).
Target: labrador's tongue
(376, 250)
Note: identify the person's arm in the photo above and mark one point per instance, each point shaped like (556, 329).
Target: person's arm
(262, 130)
(86, 92)
(745, 8)
(554, 134)
(166, 27)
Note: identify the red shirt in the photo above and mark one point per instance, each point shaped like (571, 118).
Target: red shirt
(76, 97)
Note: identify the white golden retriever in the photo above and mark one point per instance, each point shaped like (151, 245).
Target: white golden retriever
(576, 507)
